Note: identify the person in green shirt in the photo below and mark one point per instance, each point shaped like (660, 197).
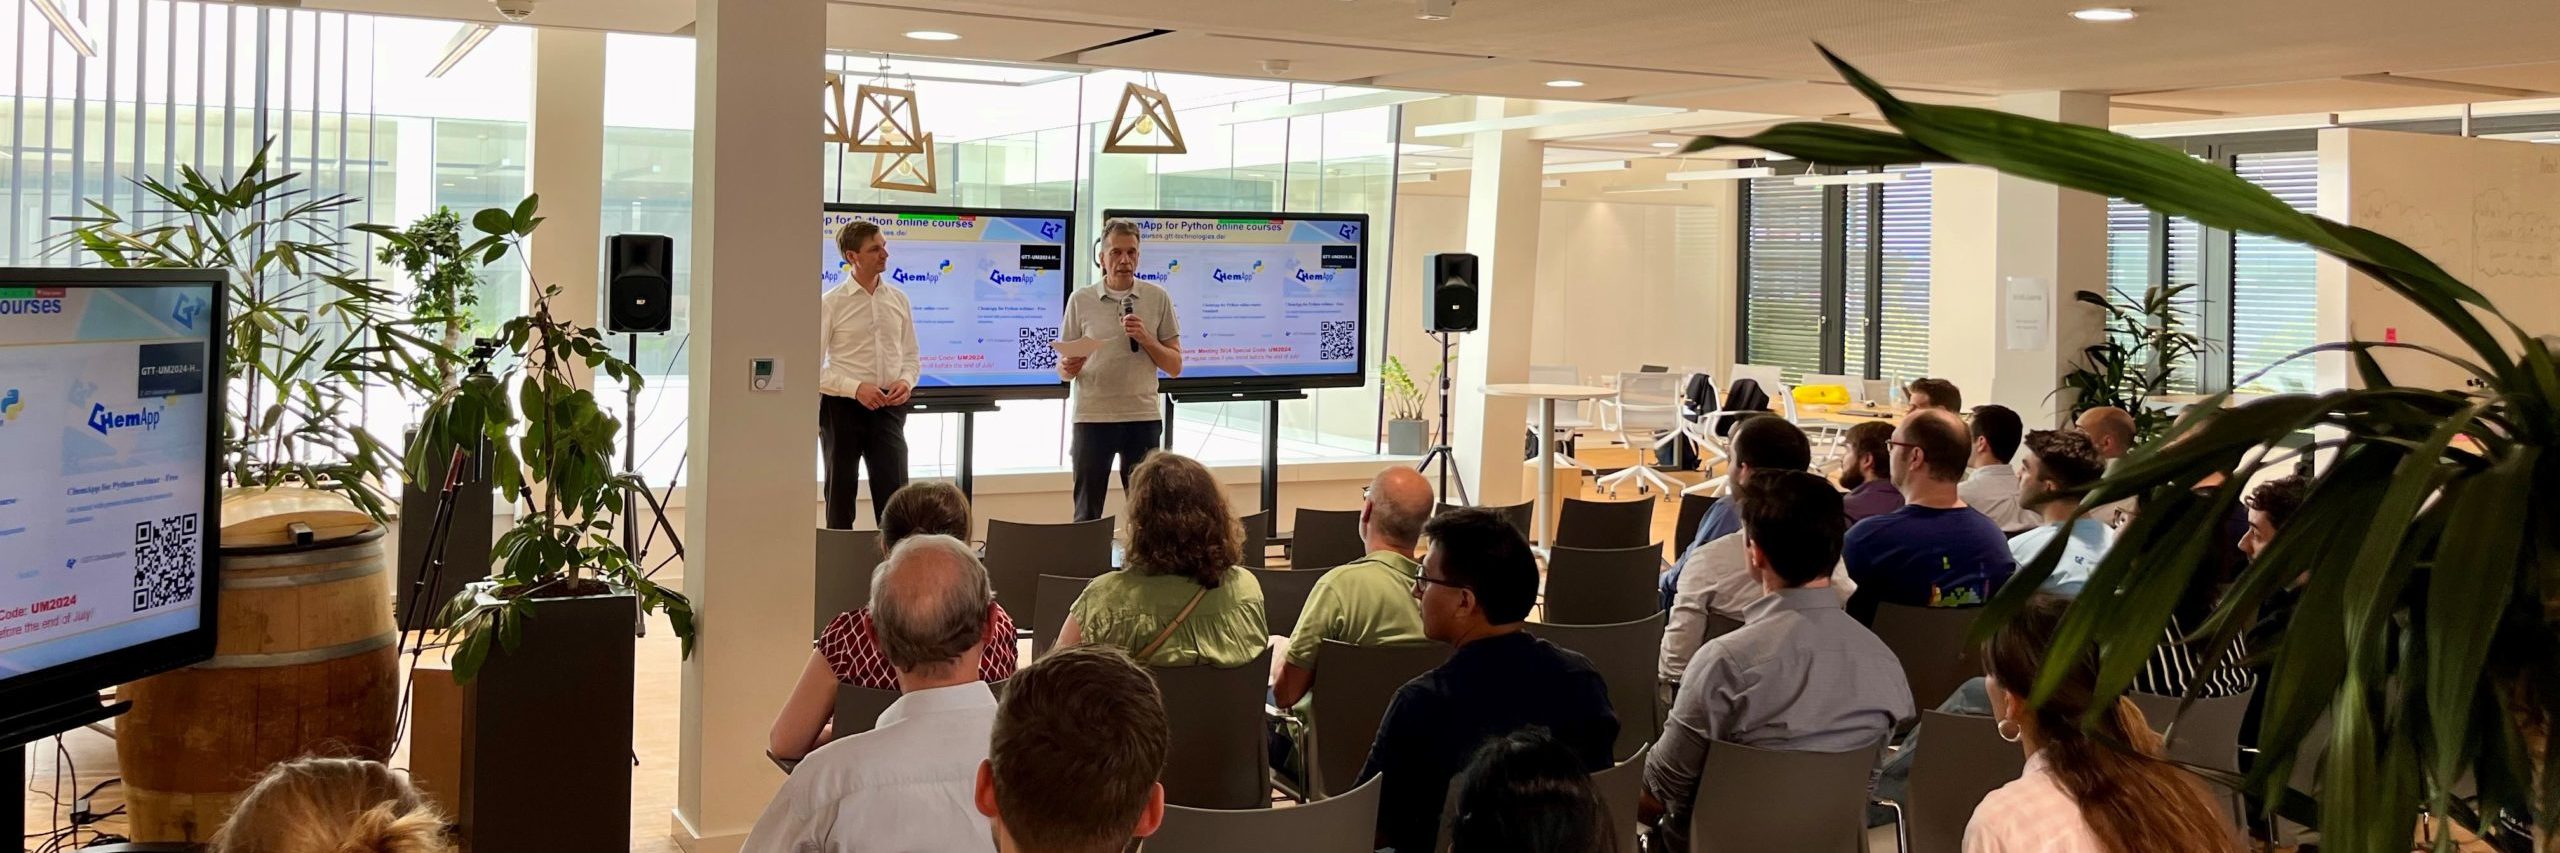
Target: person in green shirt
(1181, 600)
(1365, 602)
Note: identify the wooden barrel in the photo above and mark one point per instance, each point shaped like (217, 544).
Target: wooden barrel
(307, 662)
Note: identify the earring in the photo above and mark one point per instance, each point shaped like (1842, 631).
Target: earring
(2010, 730)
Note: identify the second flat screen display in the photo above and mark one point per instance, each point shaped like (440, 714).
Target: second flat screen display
(987, 288)
(1265, 299)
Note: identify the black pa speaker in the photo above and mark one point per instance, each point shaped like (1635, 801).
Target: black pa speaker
(640, 284)
(1452, 292)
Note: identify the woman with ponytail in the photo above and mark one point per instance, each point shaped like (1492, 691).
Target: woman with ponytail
(2101, 789)
(333, 805)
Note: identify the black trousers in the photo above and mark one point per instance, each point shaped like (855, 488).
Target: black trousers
(850, 435)
(1093, 448)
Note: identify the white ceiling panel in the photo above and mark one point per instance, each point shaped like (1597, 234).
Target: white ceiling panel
(2301, 96)
(1203, 53)
(865, 27)
(1521, 79)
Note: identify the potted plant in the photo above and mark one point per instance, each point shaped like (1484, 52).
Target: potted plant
(2144, 346)
(1407, 433)
(549, 636)
(446, 286)
(2425, 550)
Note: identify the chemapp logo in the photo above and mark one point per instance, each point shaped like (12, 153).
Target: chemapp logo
(903, 275)
(1223, 276)
(1170, 267)
(1002, 277)
(105, 421)
(30, 300)
(1309, 276)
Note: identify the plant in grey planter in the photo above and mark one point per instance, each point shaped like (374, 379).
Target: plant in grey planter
(1407, 433)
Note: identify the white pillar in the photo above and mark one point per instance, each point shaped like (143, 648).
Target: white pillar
(567, 153)
(1502, 232)
(1991, 233)
(749, 547)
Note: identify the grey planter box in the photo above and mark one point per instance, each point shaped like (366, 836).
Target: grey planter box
(466, 557)
(546, 733)
(1408, 437)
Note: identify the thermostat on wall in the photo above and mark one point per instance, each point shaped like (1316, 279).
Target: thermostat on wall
(764, 374)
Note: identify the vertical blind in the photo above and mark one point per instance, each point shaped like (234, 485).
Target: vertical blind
(1880, 320)
(1857, 276)
(1902, 276)
(2274, 284)
(1782, 281)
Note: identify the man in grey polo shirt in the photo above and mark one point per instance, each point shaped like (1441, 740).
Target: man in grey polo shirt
(1116, 411)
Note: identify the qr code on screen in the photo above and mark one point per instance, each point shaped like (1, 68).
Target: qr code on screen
(165, 555)
(1339, 340)
(1031, 349)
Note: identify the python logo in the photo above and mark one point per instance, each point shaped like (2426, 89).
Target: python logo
(10, 405)
(945, 268)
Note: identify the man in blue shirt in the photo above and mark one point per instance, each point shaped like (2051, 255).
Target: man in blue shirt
(1775, 444)
(1934, 551)
(2051, 474)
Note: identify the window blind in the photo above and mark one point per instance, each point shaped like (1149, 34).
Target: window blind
(2129, 260)
(2273, 282)
(1902, 276)
(1782, 282)
(2185, 265)
(1858, 275)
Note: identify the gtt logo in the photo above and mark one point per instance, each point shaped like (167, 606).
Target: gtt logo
(187, 310)
(1349, 231)
(1049, 230)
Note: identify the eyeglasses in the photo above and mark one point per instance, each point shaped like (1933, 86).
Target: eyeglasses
(1422, 581)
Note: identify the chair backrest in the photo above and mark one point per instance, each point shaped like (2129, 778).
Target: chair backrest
(1604, 524)
(1325, 538)
(1824, 809)
(1930, 642)
(1556, 374)
(1769, 376)
(1602, 586)
(1648, 401)
(858, 708)
(1875, 392)
(1521, 514)
(1625, 654)
(1343, 824)
(1621, 790)
(1353, 685)
(1057, 595)
(1220, 757)
(1257, 538)
(1962, 760)
(845, 561)
(1693, 512)
(1019, 553)
(2207, 735)
(1284, 595)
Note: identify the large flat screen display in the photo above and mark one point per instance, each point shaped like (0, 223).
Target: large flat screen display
(1265, 299)
(110, 393)
(988, 287)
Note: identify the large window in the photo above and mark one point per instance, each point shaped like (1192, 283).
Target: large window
(2249, 297)
(1835, 277)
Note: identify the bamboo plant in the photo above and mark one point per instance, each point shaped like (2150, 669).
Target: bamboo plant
(2428, 547)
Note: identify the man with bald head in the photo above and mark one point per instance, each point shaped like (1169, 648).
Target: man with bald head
(1365, 602)
(909, 782)
(2110, 429)
(1934, 551)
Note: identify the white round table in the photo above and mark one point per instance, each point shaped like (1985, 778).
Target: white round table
(1547, 395)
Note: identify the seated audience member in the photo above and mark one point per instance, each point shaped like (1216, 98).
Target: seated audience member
(2055, 469)
(1526, 793)
(1798, 675)
(1934, 394)
(1934, 551)
(2271, 507)
(1181, 600)
(332, 805)
(1716, 578)
(847, 651)
(2110, 430)
(2083, 789)
(1071, 767)
(1476, 587)
(1868, 475)
(1366, 602)
(1991, 486)
(1762, 446)
(905, 784)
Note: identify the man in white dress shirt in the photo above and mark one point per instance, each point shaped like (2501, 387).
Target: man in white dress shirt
(866, 373)
(910, 783)
(1991, 486)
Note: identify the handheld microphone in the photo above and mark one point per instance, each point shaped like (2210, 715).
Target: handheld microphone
(1129, 308)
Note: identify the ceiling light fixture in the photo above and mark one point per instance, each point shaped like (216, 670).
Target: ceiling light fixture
(1666, 145)
(932, 35)
(1632, 189)
(1723, 174)
(1849, 180)
(1435, 10)
(1558, 183)
(1590, 166)
(1424, 163)
(1423, 178)
(1564, 84)
(464, 40)
(70, 27)
(2104, 14)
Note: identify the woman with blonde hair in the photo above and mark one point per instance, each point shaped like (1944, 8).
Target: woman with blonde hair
(1181, 600)
(2081, 792)
(333, 805)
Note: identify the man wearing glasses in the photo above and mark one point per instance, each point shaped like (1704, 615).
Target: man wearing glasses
(1934, 551)
(1475, 590)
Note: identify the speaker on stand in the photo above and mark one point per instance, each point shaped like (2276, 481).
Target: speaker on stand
(639, 299)
(1452, 310)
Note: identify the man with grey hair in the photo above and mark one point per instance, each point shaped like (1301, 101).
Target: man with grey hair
(1366, 602)
(909, 783)
(1116, 413)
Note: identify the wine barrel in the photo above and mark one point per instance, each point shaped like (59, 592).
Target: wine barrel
(307, 662)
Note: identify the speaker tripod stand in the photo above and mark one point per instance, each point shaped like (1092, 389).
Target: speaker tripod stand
(1440, 453)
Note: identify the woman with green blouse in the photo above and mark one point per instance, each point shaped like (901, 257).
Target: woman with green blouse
(1180, 600)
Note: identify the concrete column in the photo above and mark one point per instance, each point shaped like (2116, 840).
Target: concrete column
(1991, 231)
(567, 153)
(749, 549)
(1503, 198)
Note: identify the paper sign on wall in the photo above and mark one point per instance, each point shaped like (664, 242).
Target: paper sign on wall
(2025, 312)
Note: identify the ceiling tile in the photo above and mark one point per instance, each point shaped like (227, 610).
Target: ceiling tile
(1521, 79)
(2308, 96)
(864, 27)
(1202, 53)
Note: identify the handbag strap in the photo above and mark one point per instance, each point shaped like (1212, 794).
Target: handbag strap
(1169, 627)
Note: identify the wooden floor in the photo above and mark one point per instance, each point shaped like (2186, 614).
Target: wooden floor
(92, 759)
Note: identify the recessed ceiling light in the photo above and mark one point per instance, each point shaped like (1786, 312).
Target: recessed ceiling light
(1425, 163)
(2104, 13)
(1564, 84)
(1666, 145)
(932, 35)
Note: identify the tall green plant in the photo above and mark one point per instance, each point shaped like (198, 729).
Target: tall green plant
(307, 335)
(447, 283)
(559, 465)
(2429, 546)
(2144, 346)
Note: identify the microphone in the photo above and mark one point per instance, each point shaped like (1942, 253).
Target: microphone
(1129, 308)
